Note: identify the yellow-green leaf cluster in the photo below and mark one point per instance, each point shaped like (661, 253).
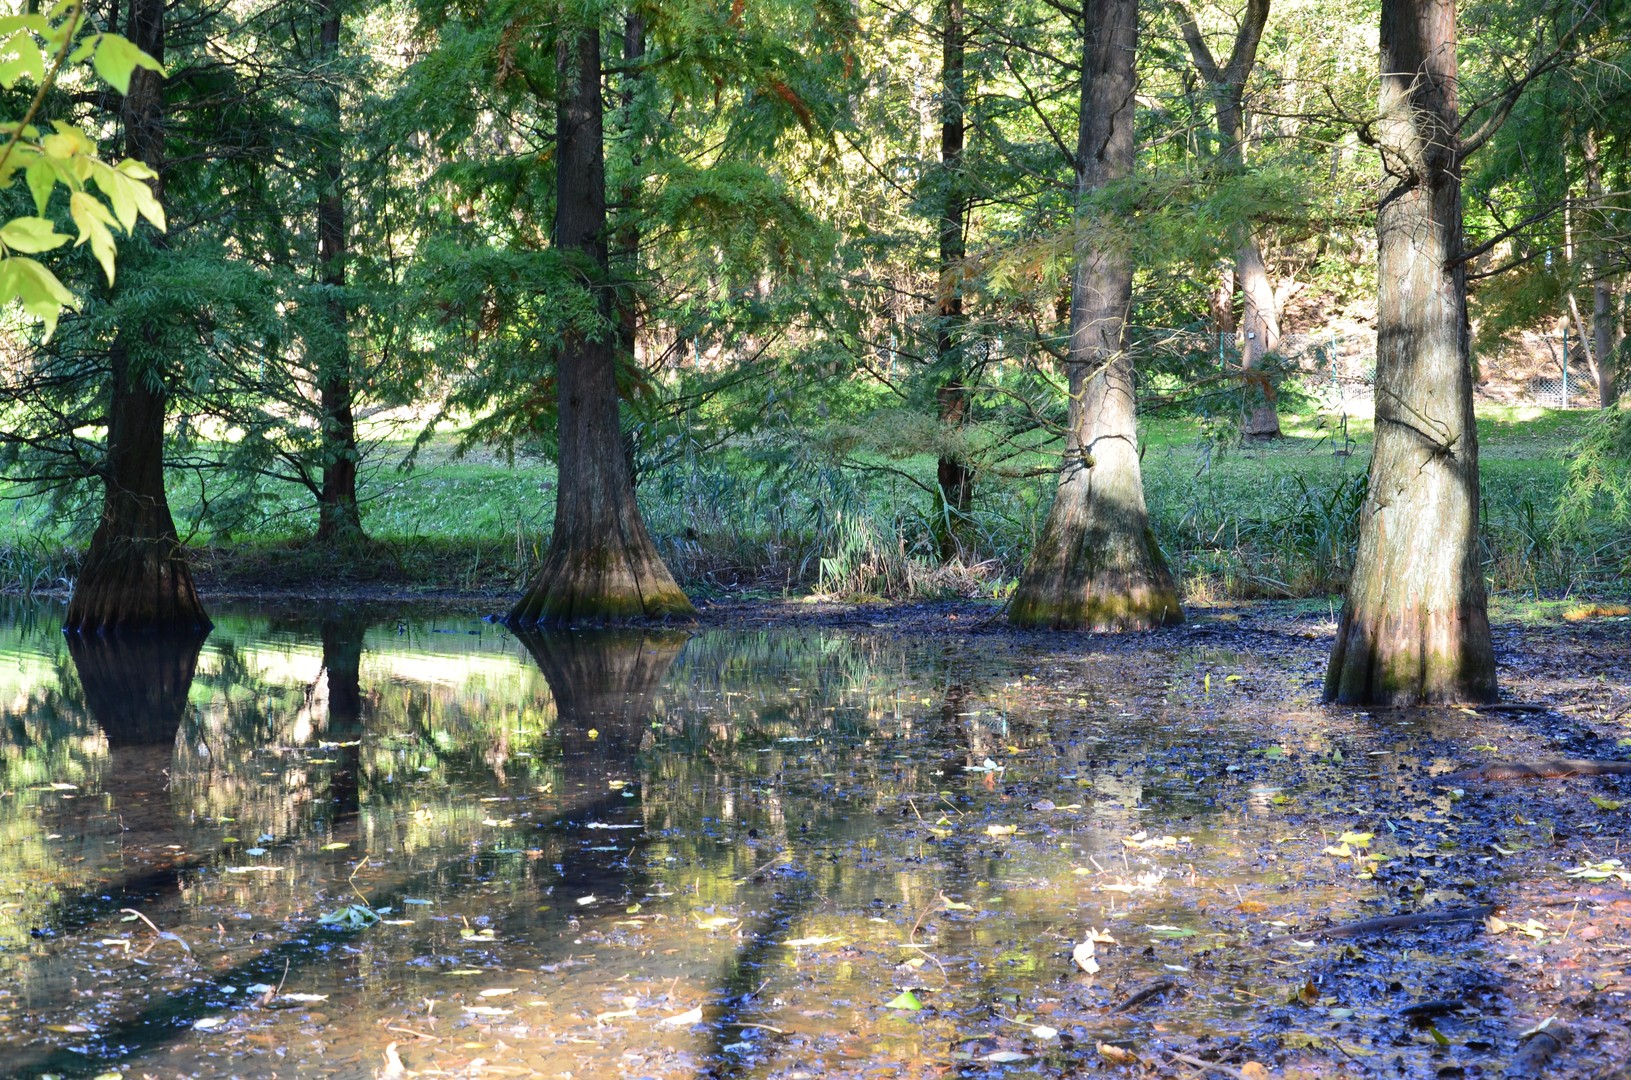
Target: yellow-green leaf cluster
(37, 47)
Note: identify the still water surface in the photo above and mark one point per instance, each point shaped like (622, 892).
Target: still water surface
(374, 845)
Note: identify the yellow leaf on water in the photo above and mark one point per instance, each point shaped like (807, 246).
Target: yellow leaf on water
(1001, 830)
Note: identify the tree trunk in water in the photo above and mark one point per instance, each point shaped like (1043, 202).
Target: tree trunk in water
(1414, 628)
(605, 682)
(136, 686)
(1260, 317)
(1097, 565)
(952, 472)
(135, 576)
(338, 517)
(601, 565)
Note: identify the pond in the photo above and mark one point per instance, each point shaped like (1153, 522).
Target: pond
(369, 843)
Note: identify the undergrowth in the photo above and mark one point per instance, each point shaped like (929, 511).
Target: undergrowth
(807, 515)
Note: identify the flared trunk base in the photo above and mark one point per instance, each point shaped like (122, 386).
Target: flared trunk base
(599, 586)
(136, 587)
(1413, 657)
(1084, 590)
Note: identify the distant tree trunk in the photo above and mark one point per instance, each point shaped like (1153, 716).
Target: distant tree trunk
(338, 517)
(952, 472)
(1603, 321)
(1414, 627)
(1097, 565)
(135, 576)
(601, 565)
(1261, 319)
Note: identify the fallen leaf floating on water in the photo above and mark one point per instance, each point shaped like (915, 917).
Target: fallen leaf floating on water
(208, 1022)
(1001, 830)
(1043, 1031)
(1144, 842)
(336, 846)
(1000, 1057)
(716, 922)
(302, 997)
(807, 942)
(498, 991)
(487, 1010)
(905, 1001)
(1083, 955)
(684, 1019)
(1117, 1055)
(1602, 871)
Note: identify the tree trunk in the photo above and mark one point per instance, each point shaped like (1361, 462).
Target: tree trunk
(952, 472)
(625, 256)
(135, 577)
(1097, 565)
(1602, 292)
(601, 565)
(1414, 628)
(1260, 317)
(338, 517)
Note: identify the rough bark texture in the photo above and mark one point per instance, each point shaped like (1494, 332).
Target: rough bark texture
(1260, 318)
(338, 517)
(1414, 627)
(601, 565)
(1603, 321)
(952, 473)
(1097, 565)
(135, 577)
(604, 681)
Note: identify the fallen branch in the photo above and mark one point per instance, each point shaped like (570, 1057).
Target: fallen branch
(164, 935)
(1539, 770)
(1203, 1064)
(1147, 992)
(1391, 924)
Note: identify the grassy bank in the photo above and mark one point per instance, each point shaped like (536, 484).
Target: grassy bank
(1272, 520)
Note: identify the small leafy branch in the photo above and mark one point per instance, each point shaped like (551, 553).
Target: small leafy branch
(39, 47)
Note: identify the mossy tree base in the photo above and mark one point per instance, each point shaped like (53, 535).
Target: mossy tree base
(598, 586)
(1093, 579)
(1413, 657)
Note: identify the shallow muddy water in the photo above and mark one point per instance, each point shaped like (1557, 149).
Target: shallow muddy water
(385, 845)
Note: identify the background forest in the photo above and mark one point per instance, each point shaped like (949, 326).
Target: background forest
(839, 245)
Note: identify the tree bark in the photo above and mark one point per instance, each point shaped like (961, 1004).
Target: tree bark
(601, 565)
(338, 517)
(135, 577)
(1603, 320)
(1414, 628)
(1097, 565)
(1260, 316)
(952, 472)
